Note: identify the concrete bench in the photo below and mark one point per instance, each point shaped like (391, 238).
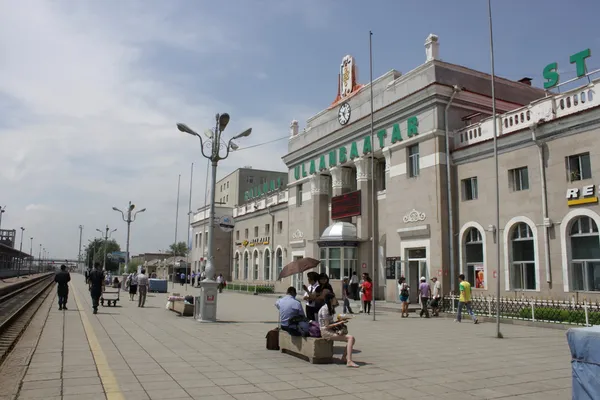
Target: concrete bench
(182, 308)
(315, 350)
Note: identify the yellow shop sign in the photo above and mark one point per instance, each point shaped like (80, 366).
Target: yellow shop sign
(586, 195)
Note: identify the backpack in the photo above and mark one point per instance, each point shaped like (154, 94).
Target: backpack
(273, 339)
(404, 290)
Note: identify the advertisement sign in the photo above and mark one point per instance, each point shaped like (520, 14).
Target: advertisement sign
(117, 256)
(346, 205)
(479, 277)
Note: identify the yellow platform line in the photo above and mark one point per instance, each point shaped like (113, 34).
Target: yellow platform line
(111, 387)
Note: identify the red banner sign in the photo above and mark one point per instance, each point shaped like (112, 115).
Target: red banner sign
(346, 205)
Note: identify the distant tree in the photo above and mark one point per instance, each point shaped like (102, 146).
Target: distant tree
(133, 266)
(95, 253)
(178, 249)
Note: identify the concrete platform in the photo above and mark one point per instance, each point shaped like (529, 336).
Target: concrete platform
(151, 353)
(7, 282)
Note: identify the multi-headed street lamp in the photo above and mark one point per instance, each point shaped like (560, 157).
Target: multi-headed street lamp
(213, 147)
(129, 219)
(106, 235)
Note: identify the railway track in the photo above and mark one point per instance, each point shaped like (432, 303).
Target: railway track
(17, 308)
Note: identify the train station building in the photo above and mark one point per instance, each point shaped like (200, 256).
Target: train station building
(330, 205)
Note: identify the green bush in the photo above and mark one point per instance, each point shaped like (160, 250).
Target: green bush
(265, 289)
(558, 315)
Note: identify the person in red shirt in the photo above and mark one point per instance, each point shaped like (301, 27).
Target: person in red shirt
(367, 293)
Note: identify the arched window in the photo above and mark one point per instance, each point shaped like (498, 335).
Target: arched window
(236, 266)
(279, 261)
(474, 258)
(256, 264)
(246, 265)
(522, 269)
(267, 265)
(585, 255)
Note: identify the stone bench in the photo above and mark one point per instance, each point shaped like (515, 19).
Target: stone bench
(315, 350)
(182, 308)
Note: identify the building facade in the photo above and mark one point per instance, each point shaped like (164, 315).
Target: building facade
(390, 189)
(246, 183)
(261, 239)
(221, 242)
(549, 214)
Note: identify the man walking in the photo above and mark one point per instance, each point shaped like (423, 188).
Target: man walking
(437, 297)
(424, 294)
(96, 285)
(182, 278)
(62, 279)
(142, 279)
(465, 299)
(354, 286)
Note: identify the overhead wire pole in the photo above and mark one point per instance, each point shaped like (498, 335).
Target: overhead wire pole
(79, 256)
(497, 230)
(176, 224)
(187, 262)
(373, 194)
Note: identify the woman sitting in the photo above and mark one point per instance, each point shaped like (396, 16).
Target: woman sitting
(335, 330)
(116, 284)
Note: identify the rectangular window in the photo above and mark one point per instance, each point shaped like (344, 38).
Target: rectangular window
(206, 239)
(380, 175)
(469, 188)
(279, 227)
(299, 195)
(226, 198)
(578, 167)
(523, 276)
(237, 235)
(256, 231)
(518, 179)
(249, 179)
(267, 229)
(263, 180)
(227, 184)
(413, 161)
(246, 233)
(335, 263)
(199, 239)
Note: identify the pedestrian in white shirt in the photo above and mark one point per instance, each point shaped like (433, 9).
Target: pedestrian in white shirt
(437, 297)
(142, 281)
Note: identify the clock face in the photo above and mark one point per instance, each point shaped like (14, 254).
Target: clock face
(344, 114)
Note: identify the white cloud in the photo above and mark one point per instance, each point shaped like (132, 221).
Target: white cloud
(88, 126)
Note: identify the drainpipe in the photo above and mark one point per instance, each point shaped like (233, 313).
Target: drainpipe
(545, 218)
(456, 89)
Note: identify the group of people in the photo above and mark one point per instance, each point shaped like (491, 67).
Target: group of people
(320, 307)
(195, 278)
(431, 296)
(138, 283)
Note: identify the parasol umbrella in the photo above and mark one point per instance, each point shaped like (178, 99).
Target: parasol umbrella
(298, 266)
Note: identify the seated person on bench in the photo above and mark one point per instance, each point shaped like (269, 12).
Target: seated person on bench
(290, 310)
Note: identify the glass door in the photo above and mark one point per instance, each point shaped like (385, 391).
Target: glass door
(417, 267)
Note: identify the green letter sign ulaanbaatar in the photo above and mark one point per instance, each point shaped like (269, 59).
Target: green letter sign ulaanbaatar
(260, 190)
(551, 71)
(341, 155)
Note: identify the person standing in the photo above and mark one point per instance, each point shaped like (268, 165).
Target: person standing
(367, 293)
(62, 279)
(310, 295)
(424, 294)
(465, 299)
(133, 285)
(202, 276)
(96, 286)
(346, 295)
(142, 281)
(182, 278)
(354, 286)
(437, 297)
(404, 291)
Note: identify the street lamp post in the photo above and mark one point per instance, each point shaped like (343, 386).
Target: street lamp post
(129, 219)
(40, 259)
(214, 144)
(106, 234)
(2, 211)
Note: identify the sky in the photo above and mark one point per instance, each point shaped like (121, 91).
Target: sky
(90, 91)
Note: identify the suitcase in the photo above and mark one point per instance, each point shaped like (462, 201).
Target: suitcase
(273, 339)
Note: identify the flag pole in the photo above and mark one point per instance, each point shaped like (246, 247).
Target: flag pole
(495, 129)
(187, 261)
(373, 194)
(176, 223)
